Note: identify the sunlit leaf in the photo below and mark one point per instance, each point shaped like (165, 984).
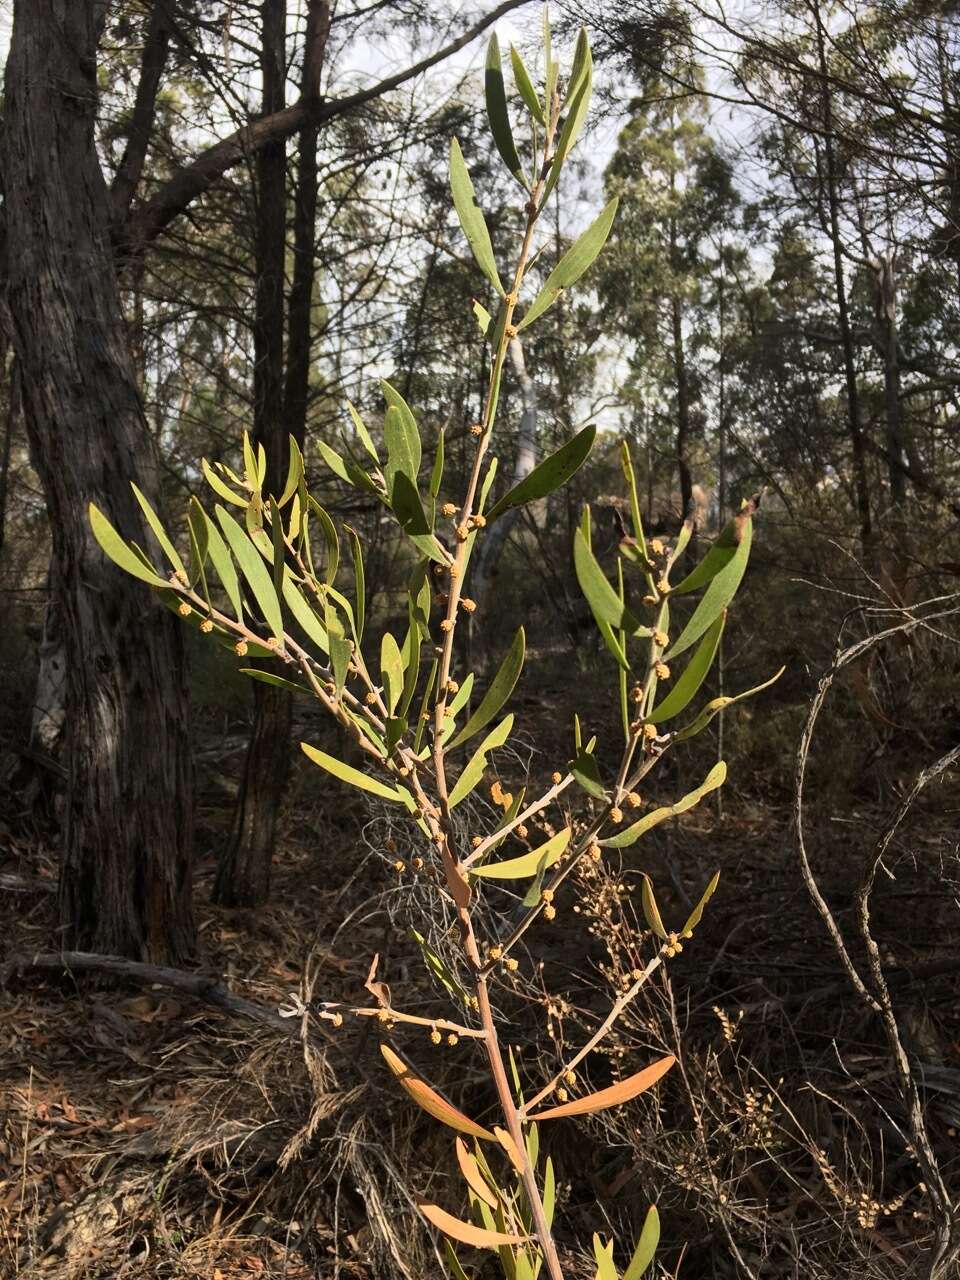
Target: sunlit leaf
(473, 769)
(391, 670)
(365, 438)
(153, 520)
(604, 1256)
(298, 605)
(472, 1175)
(527, 864)
(253, 569)
(431, 1101)
(696, 914)
(646, 1246)
(614, 1096)
(466, 1232)
(587, 773)
(359, 580)
(346, 773)
(220, 487)
(278, 682)
(651, 912)
(605, 604)
(222, 562)
(714, 779)
(118, 551)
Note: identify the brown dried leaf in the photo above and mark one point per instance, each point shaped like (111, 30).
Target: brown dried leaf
(510, 1147)
(472, 1175)
(466, 1232)
(614, 1096)
(430, 1100)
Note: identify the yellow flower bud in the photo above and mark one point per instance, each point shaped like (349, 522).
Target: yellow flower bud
(550, 912)
(435, 1036)
(184, 609)
(240, 648)
(649, 731)
(616, 814)
(661, 638)
(452, 1039)
(663, 671)
(206, 626)
(446, 625)
(547, 895)
(562, 1094)
(476, 429)
(448, 509)
(469, 606)
(556, 777)
(511, 964)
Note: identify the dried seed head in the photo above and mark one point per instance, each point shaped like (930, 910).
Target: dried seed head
(469, 606)
(206, 626)
(417, 863)
(240, 648)
(476, 429)
(448, 509)
(636, 693)
(633, 800)
(337, 1019)
(476, 842)
(399, 865)
(657, 547)
(522, 831)
(184, 609)
(556, 777)
(594, 853)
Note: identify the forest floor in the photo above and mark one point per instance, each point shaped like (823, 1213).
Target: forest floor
(146, 1134)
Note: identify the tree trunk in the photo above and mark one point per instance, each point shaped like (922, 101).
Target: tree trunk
(243, 873)
(885, 311)
(125, 880)
(860, 480)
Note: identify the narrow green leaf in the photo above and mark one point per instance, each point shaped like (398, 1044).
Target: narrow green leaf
(334, 461)
(346, 773)
(359, 580)
(549, 474)
(577, 105)
(696, 915)
(436, 475)
(253, 569)
(407, 506)
(294, 472)
(412, 447)
(471, 217)
(220, 487)
(267, 677)
(440, 971)
(483, 316)
(646, 1246)
(365, 437)
(153, 520)
(402, 459)
(578, 259)
(222, 562)
(304, 614)
(391, 670)
(713, 780)
(453, 1262)
(719, 555)
(473, 769)
(605, 605)
(723, 587)
(587, 773)
(340, 651)
(119, 551)
(497, 113)
(331, 538)
(250, 466)
(686, 686)
(604, 1256)
(525, 88)
(199, 547)
(549, 1191)
(718, 704)
(527, 864)
(500, 689)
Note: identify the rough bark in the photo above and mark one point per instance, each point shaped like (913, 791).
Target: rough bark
(243, 874)
(126, 858)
